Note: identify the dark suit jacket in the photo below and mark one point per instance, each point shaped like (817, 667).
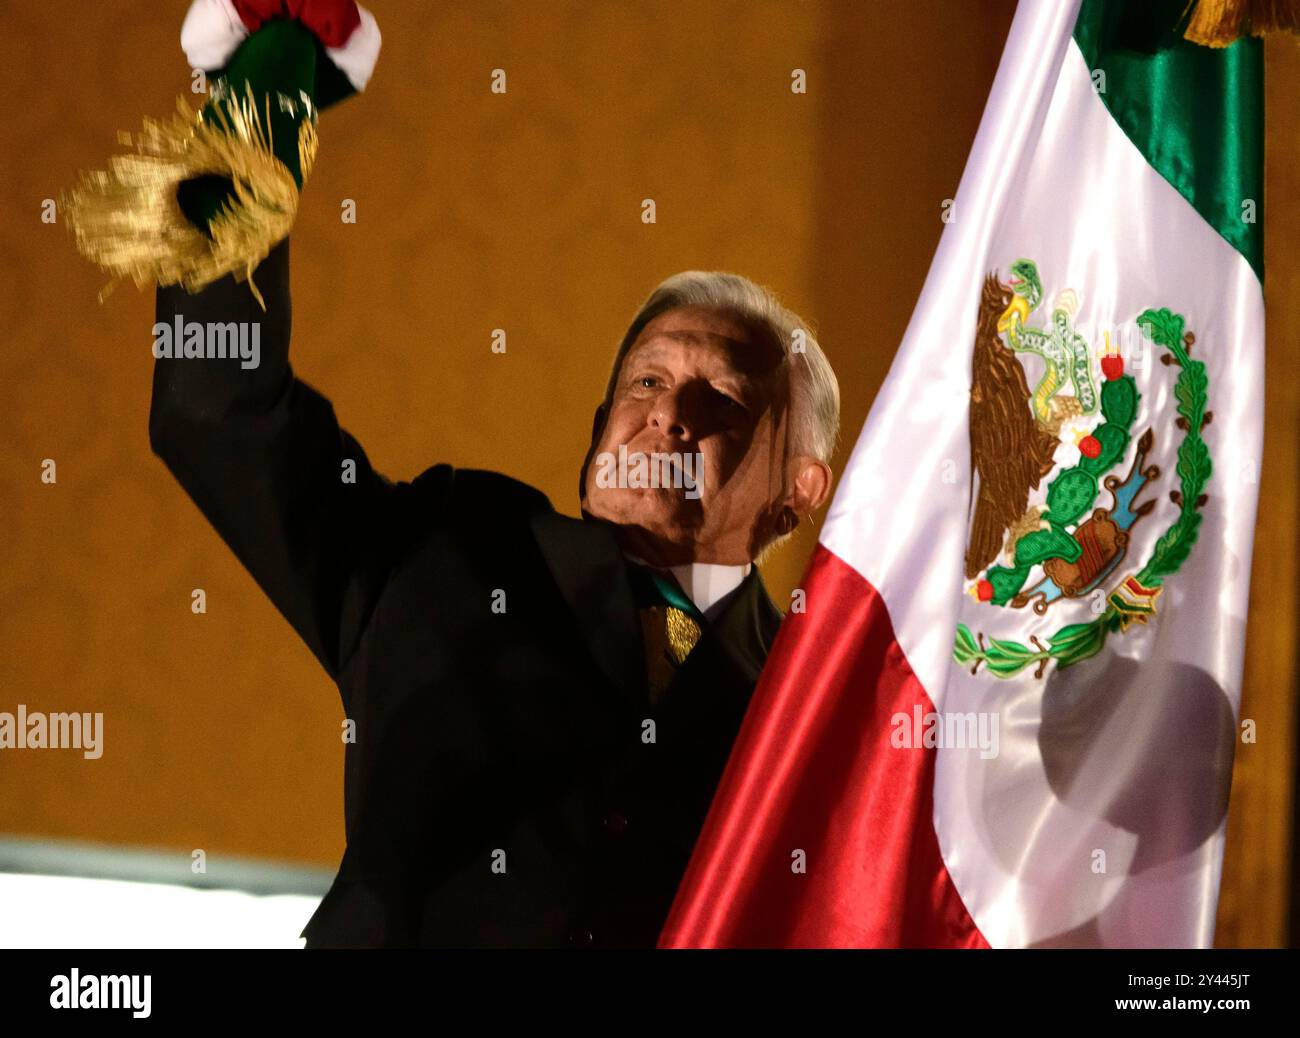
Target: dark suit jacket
(526, 731)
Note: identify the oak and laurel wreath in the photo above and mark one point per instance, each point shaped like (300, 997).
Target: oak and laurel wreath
(1077, 642)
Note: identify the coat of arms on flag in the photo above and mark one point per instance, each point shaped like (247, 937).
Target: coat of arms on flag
(1069, 545)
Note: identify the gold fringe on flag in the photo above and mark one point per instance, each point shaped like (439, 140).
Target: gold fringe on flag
(127, 220)
(1217, 23)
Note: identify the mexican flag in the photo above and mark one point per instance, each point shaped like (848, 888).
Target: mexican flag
(1006, 715)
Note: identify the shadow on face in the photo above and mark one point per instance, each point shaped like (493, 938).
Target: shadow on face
(688, 453)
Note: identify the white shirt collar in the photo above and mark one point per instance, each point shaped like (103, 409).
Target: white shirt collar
(706, 584)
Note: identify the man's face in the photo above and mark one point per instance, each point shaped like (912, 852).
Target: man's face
(692, 384)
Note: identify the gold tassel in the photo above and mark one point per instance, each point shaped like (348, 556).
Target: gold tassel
(1218, 23)
(127, 220)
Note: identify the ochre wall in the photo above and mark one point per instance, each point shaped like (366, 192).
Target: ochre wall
(478, 211)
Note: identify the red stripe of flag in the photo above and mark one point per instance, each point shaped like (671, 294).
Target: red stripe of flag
(813, 770)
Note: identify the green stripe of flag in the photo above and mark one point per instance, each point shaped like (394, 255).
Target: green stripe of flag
(1196, 113)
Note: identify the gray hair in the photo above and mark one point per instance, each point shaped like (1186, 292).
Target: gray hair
(814, 391)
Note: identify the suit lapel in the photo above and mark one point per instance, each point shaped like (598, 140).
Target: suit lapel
(589, 569)
(747, 627)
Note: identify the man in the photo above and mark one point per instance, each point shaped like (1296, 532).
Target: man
(542, 705)
(540, 721)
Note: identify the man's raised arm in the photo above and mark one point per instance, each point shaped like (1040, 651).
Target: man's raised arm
(265, 460)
